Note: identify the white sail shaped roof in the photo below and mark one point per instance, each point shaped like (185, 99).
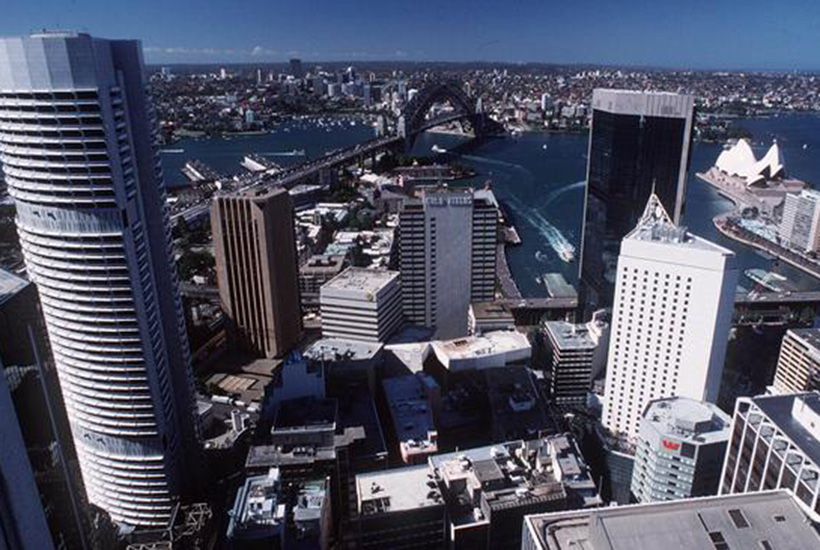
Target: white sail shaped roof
(739, 160)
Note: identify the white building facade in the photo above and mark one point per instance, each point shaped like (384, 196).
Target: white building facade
(79, 152)
(361, 304)
(800, 225)
(674, 299)
(447, 256)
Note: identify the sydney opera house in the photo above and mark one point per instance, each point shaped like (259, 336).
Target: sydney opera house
(739, 161)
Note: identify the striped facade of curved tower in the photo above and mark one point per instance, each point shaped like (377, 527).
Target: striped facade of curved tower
(78, 148)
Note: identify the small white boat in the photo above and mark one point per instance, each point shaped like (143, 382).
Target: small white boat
(437, 149)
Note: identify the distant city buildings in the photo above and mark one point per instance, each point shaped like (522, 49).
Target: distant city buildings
(256, 267)
(800, 225)
(680, 450)
(639, 144)
(95, 234)
(447, 244)
(767, 521)
(577, 356)
(798, 367)
(673, 309)
(296, 70)
(775, 444)
(362, 304)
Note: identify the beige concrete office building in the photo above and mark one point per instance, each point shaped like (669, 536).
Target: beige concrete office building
(257, 271)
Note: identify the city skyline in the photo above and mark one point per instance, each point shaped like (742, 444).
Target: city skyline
(644, 34)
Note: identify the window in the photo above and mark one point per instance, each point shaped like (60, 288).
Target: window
(779, 518)
(738, 518)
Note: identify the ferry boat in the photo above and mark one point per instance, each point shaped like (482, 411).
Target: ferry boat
(766, 279)
(565, 251)
(437, 149)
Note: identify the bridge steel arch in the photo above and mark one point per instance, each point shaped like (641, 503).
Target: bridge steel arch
(414, 112)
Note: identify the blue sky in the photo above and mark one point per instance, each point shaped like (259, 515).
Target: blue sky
(732, 34)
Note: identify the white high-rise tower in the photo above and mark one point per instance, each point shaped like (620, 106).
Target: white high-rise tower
(78, 148)
(674, 298)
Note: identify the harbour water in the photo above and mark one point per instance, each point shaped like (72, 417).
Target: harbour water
(538, 177)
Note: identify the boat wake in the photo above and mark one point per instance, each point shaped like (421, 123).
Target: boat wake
(556, 239)
(552, 196)
(293, 153)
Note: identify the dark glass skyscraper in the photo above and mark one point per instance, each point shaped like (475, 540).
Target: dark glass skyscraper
(638, 141)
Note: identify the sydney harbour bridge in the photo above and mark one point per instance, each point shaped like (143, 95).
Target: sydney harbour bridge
(414, 119)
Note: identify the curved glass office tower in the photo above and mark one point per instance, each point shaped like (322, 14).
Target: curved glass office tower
(78, 148)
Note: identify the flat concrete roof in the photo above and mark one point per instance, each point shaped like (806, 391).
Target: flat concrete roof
(361, 279)
(397, 490)
(337, 349)
(570, 336)
(743, 521)
(689, 420)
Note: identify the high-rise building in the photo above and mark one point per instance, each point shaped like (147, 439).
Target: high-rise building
(23, 525)
(680, 450)
(79, 151)
(577, 356)
(775, 444)
(639, 143)
(28, 370)
(800, 225)
(674, 300)
(361, 304)
(296, 70)
(798, 367)
(256, 269)
(447, 249)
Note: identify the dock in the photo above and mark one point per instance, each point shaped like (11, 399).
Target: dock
(729, 229)
(505, 279)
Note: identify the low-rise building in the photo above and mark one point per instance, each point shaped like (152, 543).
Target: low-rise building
(517, 410)
(491, 350)
(680, 450)
(346, 363)
(577, 355)
(473, 499)
(411, 400)
(361, 304)
(401, 508)
(775, 444)
(798, 367)
(314, 273)
(768, 521)
(489, 316)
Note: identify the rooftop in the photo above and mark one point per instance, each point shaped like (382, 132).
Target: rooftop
(306, 413)
(322, 263)
(688, 419)
(657, 226)
(361, 279)
(258, 509)
(809, 336)
(724, 522)
(570, 336)
(337, 349)
(397, 490)
(491, 311)
(781, 410)
(490, 343)
(10, 284)
(409, 403)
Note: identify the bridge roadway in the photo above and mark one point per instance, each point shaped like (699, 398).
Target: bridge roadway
(292, 176)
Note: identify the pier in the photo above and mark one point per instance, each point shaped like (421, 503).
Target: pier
(730, 229)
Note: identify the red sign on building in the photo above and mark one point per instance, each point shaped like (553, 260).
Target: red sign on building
(671, 445)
